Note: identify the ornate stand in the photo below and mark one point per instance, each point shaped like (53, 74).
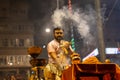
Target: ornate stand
(37, 63)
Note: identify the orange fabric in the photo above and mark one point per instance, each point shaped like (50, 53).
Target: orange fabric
(91, 60)
(107, 77)
(67, 75)
(89, 78)
(117, 72)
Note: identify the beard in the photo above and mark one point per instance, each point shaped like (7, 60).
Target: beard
(59, 38)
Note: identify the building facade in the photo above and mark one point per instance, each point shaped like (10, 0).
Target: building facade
(16, 35)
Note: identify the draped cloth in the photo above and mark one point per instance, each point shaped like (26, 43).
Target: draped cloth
(70, 74)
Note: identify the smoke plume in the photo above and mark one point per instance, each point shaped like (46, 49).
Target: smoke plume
(83, 20)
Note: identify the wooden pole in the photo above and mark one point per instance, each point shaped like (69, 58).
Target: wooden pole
(101, 45)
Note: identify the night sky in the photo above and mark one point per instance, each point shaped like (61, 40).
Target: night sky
(43, 10)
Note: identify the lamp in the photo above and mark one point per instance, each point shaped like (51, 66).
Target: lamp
(37, 63)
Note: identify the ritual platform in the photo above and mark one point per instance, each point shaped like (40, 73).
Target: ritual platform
(92, 72)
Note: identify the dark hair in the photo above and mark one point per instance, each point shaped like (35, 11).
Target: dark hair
(57, 28)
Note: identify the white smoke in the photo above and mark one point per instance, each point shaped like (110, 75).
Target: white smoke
(83, 20)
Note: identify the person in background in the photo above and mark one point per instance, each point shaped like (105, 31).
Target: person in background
(13, 77)
(59, 52)
(107, 61)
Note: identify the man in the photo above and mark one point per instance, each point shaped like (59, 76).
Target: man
(59, 52)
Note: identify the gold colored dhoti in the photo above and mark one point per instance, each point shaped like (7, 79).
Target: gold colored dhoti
(52, 72)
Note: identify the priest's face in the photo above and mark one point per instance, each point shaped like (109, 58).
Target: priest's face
(58, 35)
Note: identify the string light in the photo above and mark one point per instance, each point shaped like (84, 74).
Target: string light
(72, 34)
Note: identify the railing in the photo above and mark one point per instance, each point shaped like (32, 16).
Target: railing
(14, 61)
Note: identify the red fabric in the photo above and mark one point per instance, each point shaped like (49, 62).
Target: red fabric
(67, 75)
(117, 75)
